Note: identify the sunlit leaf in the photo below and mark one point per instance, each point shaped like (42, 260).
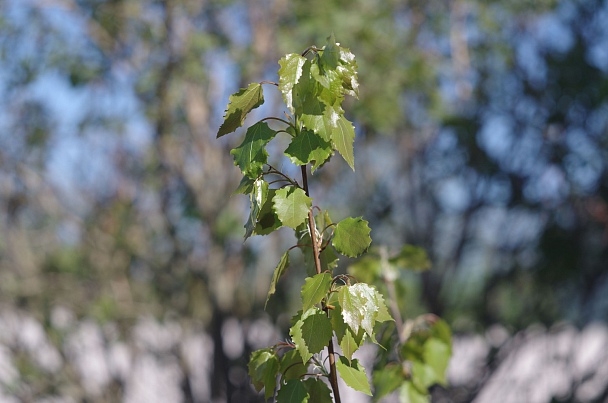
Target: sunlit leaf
(289, 75)
(240, 104)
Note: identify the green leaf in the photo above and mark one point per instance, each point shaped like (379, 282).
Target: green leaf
(245, 186)
(366, 270)
(267, 220)
(428, 348)
(289, 75)
(383, 313)
(353, 374)
(308, 147)
(292, 366)
(257, 199)
(343, 138)
(386, 380)
(319, 392)
(351, 236)
(327, 257)
(263, 370)
(250, 156)
(331, 53)
(311, 333)
(411, 257)
(240, 104)
(315, 289)
(409, 393)
(291, 205)
(293, 391)
(278, 272)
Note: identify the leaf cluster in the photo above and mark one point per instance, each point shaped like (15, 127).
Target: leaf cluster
(313, 85)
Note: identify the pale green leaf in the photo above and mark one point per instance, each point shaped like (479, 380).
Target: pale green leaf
(411, 257)
(315, 289)
(410, 394)
(366, 270)
(343, 138)
(263, 369)
(351, 236)
(311, 333)
(293, 391)
(353, 374)
(278, 272)
(250, 156)
(291, 205)
(386, 380)
(240, 104)
(308, 147)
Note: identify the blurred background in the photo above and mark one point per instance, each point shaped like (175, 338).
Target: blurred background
(482, 136)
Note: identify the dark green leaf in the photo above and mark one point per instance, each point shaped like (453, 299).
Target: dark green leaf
(240, 104)
(267, 220)
(351, 236)
(293, 391)
(263, 370)
(292, 366)
(250, 156)
(319, 392)
(353, 374)
(315, 289)
(257, 199)
(308, 147)
(278, 272)
(245, 186)
(291, 205)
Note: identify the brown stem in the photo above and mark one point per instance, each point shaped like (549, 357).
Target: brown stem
(333, 374)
